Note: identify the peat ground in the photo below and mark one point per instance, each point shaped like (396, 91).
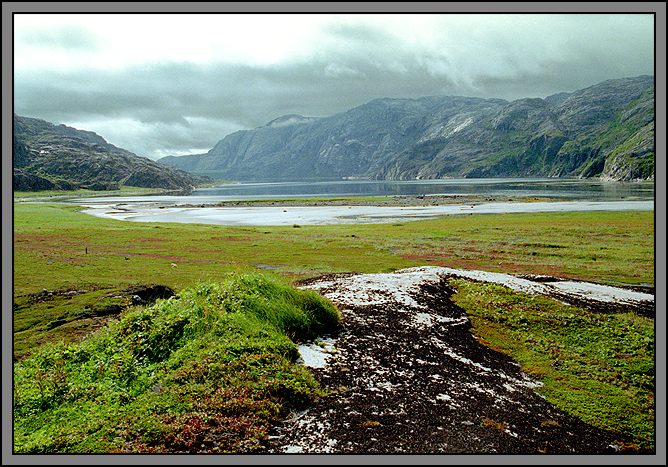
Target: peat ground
(407, 376)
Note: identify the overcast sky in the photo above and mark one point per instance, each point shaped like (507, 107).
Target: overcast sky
(176, 84)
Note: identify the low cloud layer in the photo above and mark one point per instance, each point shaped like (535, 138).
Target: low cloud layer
(174, 105)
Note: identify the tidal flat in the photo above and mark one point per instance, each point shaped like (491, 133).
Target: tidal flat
(296, 215)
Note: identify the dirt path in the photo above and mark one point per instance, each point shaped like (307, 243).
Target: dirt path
(407, 376)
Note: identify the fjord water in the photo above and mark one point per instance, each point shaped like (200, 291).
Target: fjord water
(571, 195)
(574, 189)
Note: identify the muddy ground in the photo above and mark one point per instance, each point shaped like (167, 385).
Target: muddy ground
(407, 376)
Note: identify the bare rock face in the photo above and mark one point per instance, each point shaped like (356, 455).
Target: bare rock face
(52, 156)
(604, 130)
(600, 103)
(405, 376)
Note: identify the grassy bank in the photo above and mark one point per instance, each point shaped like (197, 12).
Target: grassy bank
(58, 248)
(207, 371)
(596, 366)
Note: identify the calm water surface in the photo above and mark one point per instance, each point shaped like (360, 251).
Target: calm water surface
(557, 188)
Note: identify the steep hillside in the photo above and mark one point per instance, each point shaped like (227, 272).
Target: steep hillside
(605, 130)
(48, 156)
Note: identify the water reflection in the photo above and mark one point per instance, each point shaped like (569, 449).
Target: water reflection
(567, 190)
(556, 188)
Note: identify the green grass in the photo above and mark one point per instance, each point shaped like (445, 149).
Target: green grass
(58, 248)
(596, 366)
(605, 247)
(207, 371)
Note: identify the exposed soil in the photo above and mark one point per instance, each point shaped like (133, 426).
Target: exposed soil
(146, 294)
(408, 376)
(647, 309)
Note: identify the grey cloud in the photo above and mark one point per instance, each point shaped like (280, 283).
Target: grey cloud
(357, 38)
(65, 37)
(335, 70)
(162, 139)
(184, 106)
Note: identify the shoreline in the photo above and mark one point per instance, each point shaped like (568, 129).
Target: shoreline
(320, 214)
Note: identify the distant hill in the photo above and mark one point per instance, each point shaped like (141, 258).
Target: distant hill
(48, 156)
(605, 130)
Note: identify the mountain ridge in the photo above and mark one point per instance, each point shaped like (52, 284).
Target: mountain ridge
(604, 130)
(48, 156)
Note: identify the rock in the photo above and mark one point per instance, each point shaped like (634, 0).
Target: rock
(25, 181)
(148, 293)
(20, 154)
(137, 300)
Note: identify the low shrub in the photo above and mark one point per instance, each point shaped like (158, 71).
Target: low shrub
(208, 370)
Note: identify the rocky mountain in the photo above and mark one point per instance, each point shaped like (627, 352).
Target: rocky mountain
(48, 156)
(605, 130)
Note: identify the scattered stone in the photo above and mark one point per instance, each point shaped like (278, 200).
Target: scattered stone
(137, 300)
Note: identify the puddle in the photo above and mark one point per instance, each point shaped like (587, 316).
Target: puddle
(268, 267)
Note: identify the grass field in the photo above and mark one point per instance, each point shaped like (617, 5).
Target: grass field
(596, 366)
(88, 261)
(55, 247)
(58, 248)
